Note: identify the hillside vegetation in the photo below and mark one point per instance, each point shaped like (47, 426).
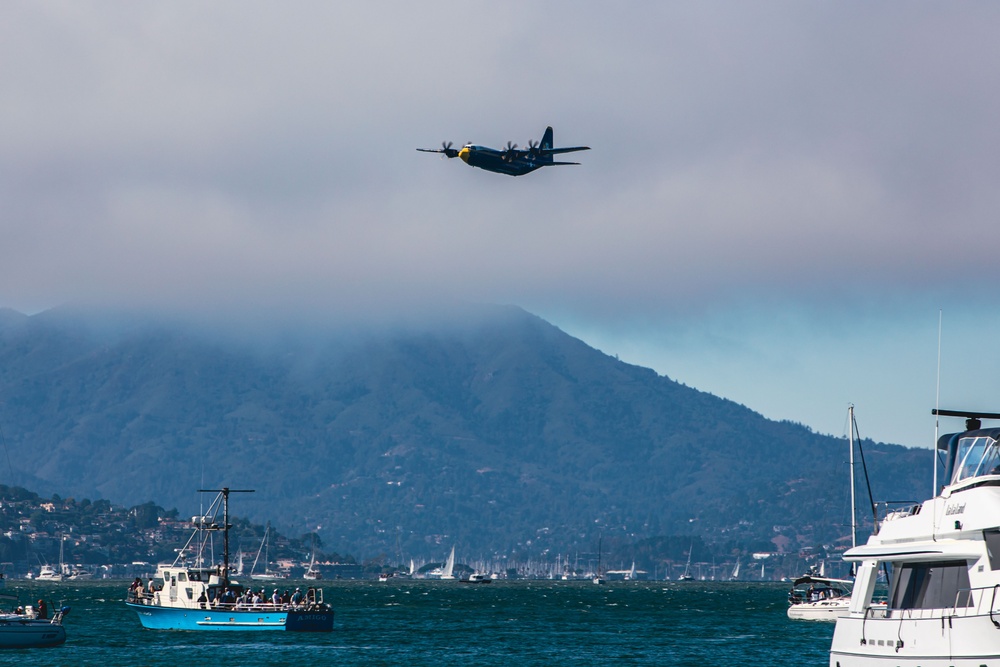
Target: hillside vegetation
(496, 432)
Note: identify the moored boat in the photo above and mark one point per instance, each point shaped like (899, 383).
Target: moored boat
(50, 573)
(818, 598)
(200, 597)
(943, 559)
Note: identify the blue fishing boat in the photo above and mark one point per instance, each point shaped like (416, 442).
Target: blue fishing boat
(190, 595)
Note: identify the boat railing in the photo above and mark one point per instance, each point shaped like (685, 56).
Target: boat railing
(312, 600)
(889, 510)
(984, 601)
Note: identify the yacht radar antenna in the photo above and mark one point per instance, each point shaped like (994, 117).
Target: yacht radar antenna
(973, 419)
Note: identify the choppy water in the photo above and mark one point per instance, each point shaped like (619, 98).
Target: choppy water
(446, 623)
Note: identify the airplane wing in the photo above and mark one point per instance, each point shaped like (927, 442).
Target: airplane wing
(571, 149)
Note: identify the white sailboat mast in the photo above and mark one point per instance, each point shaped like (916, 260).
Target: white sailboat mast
(854, 511)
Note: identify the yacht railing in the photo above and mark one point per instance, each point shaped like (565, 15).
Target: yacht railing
(888, 510)
(968, 602)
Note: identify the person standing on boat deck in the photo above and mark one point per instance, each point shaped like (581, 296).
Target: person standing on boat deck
(276, 597)
(202, 599)
(297, 596)
(43, 611)
(135, 589)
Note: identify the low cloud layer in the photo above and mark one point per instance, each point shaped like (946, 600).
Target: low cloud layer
(247, 156)
(245, 152)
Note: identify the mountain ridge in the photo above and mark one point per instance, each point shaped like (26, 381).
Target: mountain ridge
(497, 432)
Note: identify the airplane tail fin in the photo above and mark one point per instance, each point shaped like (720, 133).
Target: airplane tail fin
(546, 139)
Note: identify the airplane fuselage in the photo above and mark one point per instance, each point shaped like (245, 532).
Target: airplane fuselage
(492, 159)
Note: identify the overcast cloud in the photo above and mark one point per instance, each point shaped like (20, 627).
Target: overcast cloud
(770, 183)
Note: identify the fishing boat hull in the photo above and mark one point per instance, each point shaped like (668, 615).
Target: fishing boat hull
(30, 633)
(167, 618)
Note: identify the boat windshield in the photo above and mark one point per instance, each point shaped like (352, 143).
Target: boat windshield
(977, 456)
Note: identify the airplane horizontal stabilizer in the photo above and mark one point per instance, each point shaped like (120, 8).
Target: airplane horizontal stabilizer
(571, 149)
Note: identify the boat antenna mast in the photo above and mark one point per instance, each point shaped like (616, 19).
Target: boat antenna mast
(224, 494)
(937, 404)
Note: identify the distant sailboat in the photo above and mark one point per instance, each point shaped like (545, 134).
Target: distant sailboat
(449, 567)
(736, 572)
(266, 575)
(687, 576)
(49, 573)
(312, 573)
(599, 576)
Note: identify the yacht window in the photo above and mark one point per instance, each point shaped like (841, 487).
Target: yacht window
(181, 576)
(992, 539)
(930, 586)
(976, 456)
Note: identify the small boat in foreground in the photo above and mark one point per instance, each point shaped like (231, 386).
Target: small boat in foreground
(32, 628)
(202, 597)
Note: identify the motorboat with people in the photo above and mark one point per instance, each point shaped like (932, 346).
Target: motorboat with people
(942, 558)
(30, 626)
(815, 598)
(190, 594)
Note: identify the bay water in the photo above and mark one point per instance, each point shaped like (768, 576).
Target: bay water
(416, 623)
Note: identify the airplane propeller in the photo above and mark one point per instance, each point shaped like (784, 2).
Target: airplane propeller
(446, 150)
(533, 148)
(511, 152)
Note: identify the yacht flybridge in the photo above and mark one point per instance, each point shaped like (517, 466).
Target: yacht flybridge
(942, 558)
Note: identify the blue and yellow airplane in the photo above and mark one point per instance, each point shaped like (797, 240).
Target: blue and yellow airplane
(511, 160)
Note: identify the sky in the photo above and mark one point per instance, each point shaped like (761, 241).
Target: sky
(784, 203)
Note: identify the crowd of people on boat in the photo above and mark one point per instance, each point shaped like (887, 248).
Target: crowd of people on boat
(251, 599)
(234, 597)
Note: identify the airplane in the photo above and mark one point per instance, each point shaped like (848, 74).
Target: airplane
(511, 160)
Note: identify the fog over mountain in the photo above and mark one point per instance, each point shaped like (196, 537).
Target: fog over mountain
(494, 431)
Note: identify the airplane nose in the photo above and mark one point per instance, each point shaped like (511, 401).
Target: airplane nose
(464, 154)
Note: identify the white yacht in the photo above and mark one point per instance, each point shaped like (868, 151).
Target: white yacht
(942, 558)
(50, 573)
